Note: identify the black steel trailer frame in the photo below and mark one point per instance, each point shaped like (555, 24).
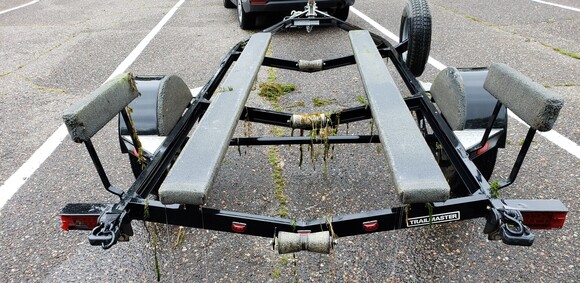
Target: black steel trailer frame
(508, 220)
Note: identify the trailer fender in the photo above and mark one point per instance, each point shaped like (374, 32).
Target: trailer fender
(463, 101)
(162, 102)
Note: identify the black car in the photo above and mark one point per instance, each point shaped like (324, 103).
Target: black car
(248, 9)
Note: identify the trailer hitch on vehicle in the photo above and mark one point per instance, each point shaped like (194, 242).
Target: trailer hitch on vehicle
(453, 130)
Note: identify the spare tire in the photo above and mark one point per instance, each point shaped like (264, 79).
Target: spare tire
(416, 29)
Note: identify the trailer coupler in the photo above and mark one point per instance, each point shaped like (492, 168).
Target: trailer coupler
(507, 225)
(111, 229)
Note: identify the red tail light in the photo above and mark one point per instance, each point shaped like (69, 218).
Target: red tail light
(238, 227)
(370, 226)
(79, 222)
(544, 220)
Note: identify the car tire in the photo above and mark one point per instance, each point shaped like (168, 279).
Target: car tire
(342, 13)
(229, 4)
(416, 28)
(246, 20)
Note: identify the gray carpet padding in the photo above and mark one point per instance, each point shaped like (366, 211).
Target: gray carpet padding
(416, 174)
(195, 169)
(88, 115)
(530, 101)
(174, 96)
(449, 94)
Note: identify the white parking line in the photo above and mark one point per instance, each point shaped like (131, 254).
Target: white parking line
(13, 184)
(553, 136)
(16, 8)
(557, 5)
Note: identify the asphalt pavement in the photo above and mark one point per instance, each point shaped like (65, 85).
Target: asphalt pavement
(55, 52)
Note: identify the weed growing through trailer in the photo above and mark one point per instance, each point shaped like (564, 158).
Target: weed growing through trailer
(135, 137)
(180, 238)
(151, 229)
(362, 100)
(278, 177)
(494, 189)
(247, 126)
(325, 133)
(321, 128)
(154, 235)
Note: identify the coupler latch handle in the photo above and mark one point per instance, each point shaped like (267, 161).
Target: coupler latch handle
(108, 232)
(508, 226)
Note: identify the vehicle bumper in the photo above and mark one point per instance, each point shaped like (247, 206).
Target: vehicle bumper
(289, 5)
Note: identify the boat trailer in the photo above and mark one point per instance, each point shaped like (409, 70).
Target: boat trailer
(440, 142)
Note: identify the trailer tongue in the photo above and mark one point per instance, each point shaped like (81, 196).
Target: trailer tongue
(439, 157)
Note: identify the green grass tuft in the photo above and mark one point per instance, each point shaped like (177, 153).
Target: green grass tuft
(362, 100)
(319, 102)
(561, 51)
(274, 91)
(278, 176)
(568, 85)
(495, 189)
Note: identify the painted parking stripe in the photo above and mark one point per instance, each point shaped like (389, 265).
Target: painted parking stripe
(18, 7)
(13, 184)
(553, 136)
(557, 5)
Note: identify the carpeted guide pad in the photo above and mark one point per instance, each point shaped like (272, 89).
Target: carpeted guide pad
(88, 115)
(532, 102)
(193, 173)
(416, 174)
